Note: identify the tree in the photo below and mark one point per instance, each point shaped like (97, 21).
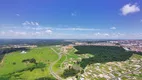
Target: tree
(32, 60)
(14, 63)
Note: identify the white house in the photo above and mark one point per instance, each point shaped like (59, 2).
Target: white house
(23, 52)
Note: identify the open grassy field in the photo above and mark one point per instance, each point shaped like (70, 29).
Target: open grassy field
(13, 64)
(71, 54)
(58, 66)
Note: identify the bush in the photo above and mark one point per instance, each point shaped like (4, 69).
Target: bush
(69, 72)
(14, 63)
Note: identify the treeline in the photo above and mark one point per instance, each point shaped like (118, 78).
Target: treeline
(102, 54)
(9, 50)
(38, 42)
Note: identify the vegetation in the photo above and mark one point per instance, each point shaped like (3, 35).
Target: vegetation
(45, 78)
(39, 42)
(29, 60)
(32, 65)
(108, 60)
(1, 57)
(70, 72)
(10, 50)
(102, 54)
(58, 66)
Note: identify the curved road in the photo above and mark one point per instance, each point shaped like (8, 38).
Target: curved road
(50, 68)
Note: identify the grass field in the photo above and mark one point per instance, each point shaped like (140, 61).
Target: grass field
(58, 66)
(41, 54)
(71, 54)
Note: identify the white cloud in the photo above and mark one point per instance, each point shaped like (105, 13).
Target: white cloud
(141, 20)
(101, 34)
(27, 23)
(73, 14)
(2, 32)
(32, 23)
(20, 33)
(62, 32)
(11, 31)
(113, 28)
(129, 8)
(18, 15)
(37, 33)
(77, 29)
(36, 23)
(48, 31)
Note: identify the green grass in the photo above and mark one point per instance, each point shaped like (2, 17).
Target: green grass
(41, 54)
(56, 48)
(71, 54)
(58, 67)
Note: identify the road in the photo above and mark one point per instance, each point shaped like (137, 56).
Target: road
(52, 64)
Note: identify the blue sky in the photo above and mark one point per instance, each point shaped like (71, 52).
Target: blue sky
(71, 19)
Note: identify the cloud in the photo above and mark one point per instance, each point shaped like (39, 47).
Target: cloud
(113, 28)
(101, 34)
(11, 31)
(141, 20)
(27, 23)
(106, 35)
(18, 15)
(63, 32)
(48, 31)
(77, 29)
(129, 8)
(21, 33)
(36, 23)
(73, 14)
(2, 32)
(32, 23)
(14, 33)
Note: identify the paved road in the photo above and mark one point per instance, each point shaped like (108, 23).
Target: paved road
(52, 64)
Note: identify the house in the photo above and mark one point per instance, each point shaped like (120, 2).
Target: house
(23, 52)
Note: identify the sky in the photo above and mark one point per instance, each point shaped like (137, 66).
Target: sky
(71, 19)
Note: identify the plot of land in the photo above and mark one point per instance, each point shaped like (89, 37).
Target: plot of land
(13, 63)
